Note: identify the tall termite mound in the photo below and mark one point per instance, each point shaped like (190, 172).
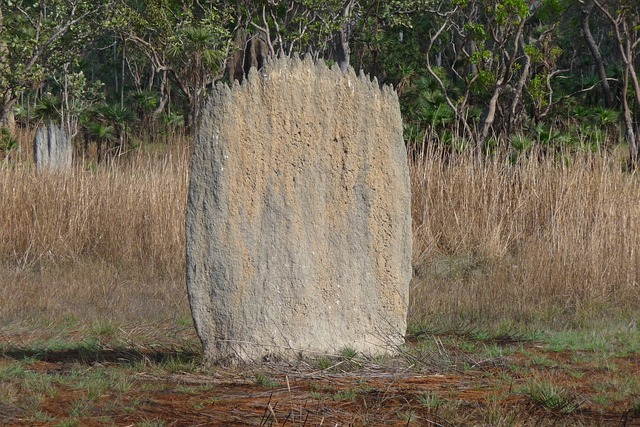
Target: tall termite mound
(298, 220)
(52, 149)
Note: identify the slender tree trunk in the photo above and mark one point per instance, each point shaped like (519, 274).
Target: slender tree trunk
(164, 96)
(86, 153)
(518, 92)
(503, 78)
(628, 122)
(195, 87)
(7, 100)
(459, 111)
(124, 45)
(627, 42)
(490, 116)
(595, 52)
(630, 72)
(99, 146)
(631, 60)
(7, 119)
(234, 69)
(341, 51)
(115, 58)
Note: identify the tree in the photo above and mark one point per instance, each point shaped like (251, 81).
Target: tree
(199, 51)
(587, 8)
(306, 26)
(471, 68)
(36, 39)
(489, 58)
(185, 43)
(4, 72)
(322, 29)
(624, 16)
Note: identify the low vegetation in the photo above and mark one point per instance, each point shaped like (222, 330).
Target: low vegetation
(71, 374)
(523, 305)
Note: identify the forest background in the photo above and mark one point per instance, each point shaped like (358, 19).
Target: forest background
(509, 74)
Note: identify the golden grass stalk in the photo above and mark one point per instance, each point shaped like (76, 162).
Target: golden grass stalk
(105, 240)
(539, 241)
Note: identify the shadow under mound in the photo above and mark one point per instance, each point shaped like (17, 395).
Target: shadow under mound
(90, 356)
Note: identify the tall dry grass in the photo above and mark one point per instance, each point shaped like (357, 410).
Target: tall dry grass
(544, 242)
(541, 242)
(97, 242)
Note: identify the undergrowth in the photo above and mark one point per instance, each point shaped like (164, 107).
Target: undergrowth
(502, 243)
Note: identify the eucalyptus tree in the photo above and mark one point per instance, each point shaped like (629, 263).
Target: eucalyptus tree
(624, 16)
(494, 47)
(198, 51)
(323, 29)
(38, 38)
(185, 43)
(502, 58)
(319, 28)
(586, 16)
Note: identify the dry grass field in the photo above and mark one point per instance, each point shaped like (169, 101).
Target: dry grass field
(98, 243)
(547, 242)
(543, 242)
(524, 303)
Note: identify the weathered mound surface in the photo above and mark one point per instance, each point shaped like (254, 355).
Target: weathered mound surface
(52, 149)
(298, 221)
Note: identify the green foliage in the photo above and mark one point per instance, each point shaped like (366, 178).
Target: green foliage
(430, 400)
(546, 394)
(100, 131)
(266, 381)
(8, 142)
(345, 395)
(39, 38)
(80, 96)
(348, 353)
(324, 363)
(196, 43)
(522, 143)
(63, 61)
(606, 116)
(514, 10)
(426, 104)
(144, 102)
(120, 116)
(104, 329)
(539, 91)
(48, 109)
(476, 30)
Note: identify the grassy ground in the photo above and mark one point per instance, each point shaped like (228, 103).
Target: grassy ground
(524, 303)
(72, 374)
